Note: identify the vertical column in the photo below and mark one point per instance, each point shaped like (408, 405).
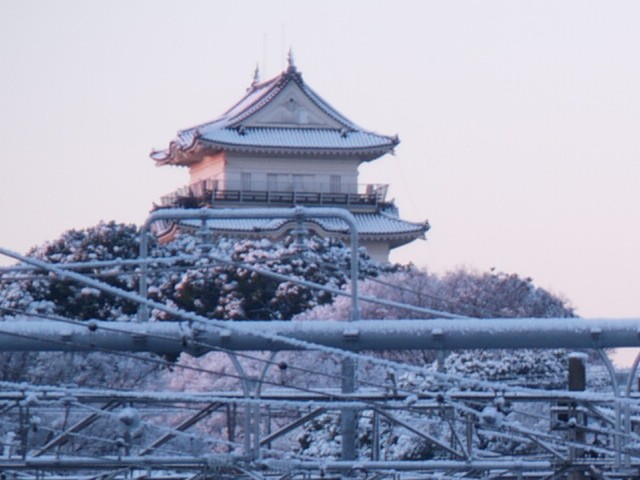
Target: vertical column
(348, 423)
(348, 415)
(577, 383)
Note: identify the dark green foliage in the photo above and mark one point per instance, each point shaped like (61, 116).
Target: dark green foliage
(195, 280)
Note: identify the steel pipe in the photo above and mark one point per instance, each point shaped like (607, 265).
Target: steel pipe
(30, 334)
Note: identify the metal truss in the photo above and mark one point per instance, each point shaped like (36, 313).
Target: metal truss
(464, 427)
(147, 434)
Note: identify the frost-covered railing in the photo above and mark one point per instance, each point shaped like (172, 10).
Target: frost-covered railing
(471, 425)
(211, 192)
(174, 337)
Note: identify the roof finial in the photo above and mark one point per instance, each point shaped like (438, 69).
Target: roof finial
(292, 66)
(256, 76)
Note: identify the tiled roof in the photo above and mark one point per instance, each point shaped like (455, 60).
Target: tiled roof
(228, 131)
(294, 139)
(368, 224)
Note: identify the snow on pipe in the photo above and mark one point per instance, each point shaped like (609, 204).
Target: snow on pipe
(172, 338)
(296, 213)
(408, 465)
(228, 461)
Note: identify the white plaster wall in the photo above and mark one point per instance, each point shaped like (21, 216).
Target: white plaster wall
(320, 168)
(211, 166)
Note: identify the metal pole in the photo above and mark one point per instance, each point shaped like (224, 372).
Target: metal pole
(172, 338)
(348, 418)
(577, 383)
(246, 389)
(618, 439)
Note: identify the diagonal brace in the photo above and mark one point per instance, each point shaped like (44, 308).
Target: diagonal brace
(292, 426)
(189, 422)
(80, 425)
(423, 435)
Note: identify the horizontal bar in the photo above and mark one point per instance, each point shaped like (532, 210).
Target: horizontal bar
(29, 334)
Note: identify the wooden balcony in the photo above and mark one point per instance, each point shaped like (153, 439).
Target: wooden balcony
(199, 195)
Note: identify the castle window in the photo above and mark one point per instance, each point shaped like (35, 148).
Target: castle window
(272, 182)
(334, 184)
(245, 181)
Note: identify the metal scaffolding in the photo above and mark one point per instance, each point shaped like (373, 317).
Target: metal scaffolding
(55, 432)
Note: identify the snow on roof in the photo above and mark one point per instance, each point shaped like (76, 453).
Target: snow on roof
(228, 131)
(295, 138)
(368, 224)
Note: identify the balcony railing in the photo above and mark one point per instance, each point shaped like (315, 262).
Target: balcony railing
(207, 193)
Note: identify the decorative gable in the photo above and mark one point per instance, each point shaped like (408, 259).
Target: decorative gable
(294, 109)
(279, 116)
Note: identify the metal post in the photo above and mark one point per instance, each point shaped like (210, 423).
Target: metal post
(348, 415)
(348, 418)
(143, 309)
(469, 434)
(246, 390)
(618, 438)
(375, 437)
(577, 383)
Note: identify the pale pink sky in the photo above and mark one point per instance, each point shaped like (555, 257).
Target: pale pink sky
(519, 121)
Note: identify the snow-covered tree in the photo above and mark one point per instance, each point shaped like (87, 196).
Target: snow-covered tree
(460, 292)
(234, 290)
(48, 294)
(217, 279)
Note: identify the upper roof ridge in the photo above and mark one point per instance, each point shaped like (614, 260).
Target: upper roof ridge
(262, 94)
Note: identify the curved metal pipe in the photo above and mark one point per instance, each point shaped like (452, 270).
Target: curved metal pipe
(296, 213)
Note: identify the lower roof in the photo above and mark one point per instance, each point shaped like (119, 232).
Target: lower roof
(371, 226)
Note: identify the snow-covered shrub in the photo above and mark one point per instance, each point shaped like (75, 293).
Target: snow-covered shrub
(222, 290)
(234, 290)
(463, 293)
(536, 368)
(48, 294)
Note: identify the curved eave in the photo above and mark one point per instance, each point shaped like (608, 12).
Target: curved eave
(406, 231)
(181, 156)
(363, 153)
(171, 156)
(283, 227)
(396, 240)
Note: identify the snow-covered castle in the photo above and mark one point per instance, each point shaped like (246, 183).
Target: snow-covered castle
(283, 145)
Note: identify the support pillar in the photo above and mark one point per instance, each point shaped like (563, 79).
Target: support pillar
(348, 415)
(577, 382)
